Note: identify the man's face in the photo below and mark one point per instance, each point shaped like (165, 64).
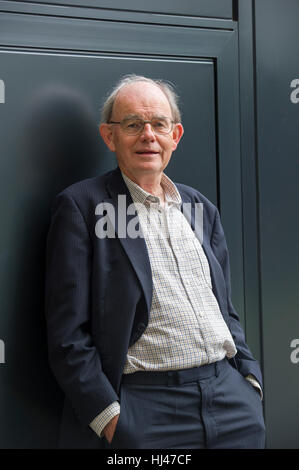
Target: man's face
(146, 153)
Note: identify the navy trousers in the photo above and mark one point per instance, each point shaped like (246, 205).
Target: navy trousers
(207, 407)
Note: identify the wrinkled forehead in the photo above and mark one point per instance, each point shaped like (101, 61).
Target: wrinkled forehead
(141, 99)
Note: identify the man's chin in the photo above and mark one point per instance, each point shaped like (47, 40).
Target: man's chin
(142, 170)
(149, 169)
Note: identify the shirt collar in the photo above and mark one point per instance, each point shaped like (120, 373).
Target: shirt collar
(172, 195)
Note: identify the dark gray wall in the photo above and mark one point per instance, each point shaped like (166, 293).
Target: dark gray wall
(268, 61)
(277, 65)
(209, 8)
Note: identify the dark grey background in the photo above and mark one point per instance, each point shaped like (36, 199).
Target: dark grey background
(232, 64)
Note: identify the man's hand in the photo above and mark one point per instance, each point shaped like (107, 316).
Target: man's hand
(109, 429)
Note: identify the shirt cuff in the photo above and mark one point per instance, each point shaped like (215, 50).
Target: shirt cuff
(100, 421)
(255, 383)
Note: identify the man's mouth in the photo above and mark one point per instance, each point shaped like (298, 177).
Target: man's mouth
(146, 152)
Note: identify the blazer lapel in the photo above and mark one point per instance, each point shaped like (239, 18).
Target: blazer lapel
(135, 248)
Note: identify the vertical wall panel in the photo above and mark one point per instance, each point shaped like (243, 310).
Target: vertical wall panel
(211, 8)
(277, 56)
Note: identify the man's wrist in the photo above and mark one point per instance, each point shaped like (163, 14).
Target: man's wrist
(100, 421)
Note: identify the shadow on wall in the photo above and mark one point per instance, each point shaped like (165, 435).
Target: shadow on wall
(57, 143)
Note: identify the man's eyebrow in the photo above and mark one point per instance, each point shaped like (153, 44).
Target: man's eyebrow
(132, 116)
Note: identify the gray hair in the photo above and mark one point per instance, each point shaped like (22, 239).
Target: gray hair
(166, 87)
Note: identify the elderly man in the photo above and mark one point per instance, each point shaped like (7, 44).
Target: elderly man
(142, 334)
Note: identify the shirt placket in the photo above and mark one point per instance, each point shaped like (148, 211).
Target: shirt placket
(189, 269)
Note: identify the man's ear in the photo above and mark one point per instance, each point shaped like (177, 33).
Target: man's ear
(177, 134)
(106, 132)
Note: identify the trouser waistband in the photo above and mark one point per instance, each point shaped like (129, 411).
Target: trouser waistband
(175, 377)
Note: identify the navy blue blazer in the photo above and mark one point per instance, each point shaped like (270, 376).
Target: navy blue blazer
(98, 299)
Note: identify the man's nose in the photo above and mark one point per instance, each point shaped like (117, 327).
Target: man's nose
(148, 132)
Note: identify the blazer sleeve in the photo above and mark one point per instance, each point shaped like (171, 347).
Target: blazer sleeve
(73, 358)
(245, 361)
